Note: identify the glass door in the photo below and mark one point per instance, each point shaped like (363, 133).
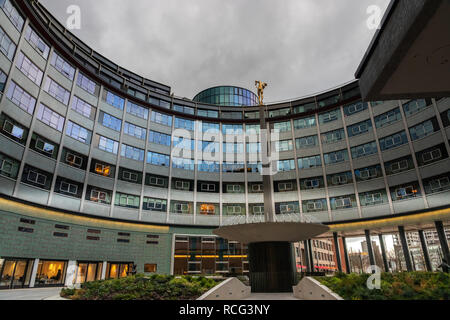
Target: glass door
(15, 273)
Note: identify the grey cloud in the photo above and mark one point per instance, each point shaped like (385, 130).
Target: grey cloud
(297, 46)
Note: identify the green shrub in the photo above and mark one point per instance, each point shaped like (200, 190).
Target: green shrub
(141, 287)
(394, 286)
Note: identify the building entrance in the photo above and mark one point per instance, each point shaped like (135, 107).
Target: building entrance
(15, 273)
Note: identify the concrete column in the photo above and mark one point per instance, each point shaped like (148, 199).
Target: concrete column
(443, 240)
(71, 273)
(33, 273)
(105, 263)
(401, 231)
(369, 248)
(383, 253)
(347, 261)
(307, 260)
(425, 252)
(311, 256)
(338, 254)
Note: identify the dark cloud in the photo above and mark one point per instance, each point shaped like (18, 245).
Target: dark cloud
(297, 46)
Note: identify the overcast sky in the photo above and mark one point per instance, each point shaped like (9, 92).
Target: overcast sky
(298, 47)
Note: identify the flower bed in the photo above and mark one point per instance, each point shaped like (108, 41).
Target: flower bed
(140, 287)
(394, 286)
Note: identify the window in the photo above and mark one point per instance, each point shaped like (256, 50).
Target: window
(156, 181)
(127, 200)
(424, 129)
(307, 142)
(373, 198)
(285, 186)
(158, 159)
(56, 91)
(209, 166)
(161, 118)
(183, 143)
(132, 153)
(286, 165)
(68, 188)
(416, 106)
(36, 178)
(431, 156)
(355, 108)
(50, 118)
(21, 98)
(113, 100)
(62, 66)
(182, 185)
(7, 46)
(233, 188)
(341, 203)
(311, 183)
(83, 108)
(340, 179)
(364, 150)
(207, 113)
(155, 204)
(130, 176)
(258, 210)
(437, 184)
(79, 133)
(108, 145)
(150, 268)
(9, 167)
(137, 110)
(206, 187)
(388, 118)
(210, 127)
(233, 209)
(29, 69)
(183, 109)
(252, 129)
(181, 208)
(286, 208)
(393, 141)
(103, 169)
(135, 131)
(159, 138)
(257, 188)
(333, 136)
(13, 129)
(329, 116)
(44, 147)
(183, 163)
(314, 205)
(99, 195)
(310, 162)
(12, 13)
(37, 43)
(73, 160)
(336, 157)
(282, 126)
(110, 121)
(86, 84)
(359, 128)
(234, 129)
(184, 124)
(254, 147)
(305, 123)
(399, 166)
(407, 191)
(368, 173)
(233, 147)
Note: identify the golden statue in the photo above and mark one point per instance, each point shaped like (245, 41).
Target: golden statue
(260, 86)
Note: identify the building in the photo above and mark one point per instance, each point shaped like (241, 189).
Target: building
(98, 171)
(323, 256)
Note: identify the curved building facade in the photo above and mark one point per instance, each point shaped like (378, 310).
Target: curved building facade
(95, 155)
(227, 96)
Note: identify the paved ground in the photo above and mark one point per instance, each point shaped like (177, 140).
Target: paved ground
(30, 294)
(271, 296)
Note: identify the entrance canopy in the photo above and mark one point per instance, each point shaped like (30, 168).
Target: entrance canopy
(409, 56)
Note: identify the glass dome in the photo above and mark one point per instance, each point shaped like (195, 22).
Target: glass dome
(227, 96)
